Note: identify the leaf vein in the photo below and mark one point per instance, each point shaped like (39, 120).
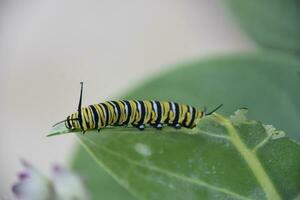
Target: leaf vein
(262, 143)
(251, 159)
(171, 174)
(213, 134)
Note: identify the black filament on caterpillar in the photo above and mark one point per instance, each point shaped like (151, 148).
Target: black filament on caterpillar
(134, 112)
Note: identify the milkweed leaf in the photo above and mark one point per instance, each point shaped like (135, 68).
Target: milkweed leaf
(266, 83)
(220, 159)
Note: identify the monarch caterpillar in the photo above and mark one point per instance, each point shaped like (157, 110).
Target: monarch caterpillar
(135, 113)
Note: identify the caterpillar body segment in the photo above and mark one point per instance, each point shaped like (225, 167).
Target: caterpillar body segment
(136, 113)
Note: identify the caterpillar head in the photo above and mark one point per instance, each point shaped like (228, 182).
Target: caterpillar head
(72, 121)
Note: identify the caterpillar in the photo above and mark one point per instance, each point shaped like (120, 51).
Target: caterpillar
(137, 113)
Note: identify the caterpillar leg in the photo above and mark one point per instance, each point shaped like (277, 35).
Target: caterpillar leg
(98, 130)
(177, 126)
(141, 127)
(159, 126)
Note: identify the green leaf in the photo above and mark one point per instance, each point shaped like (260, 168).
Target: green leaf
(59, 129)
(266, 83)
(220, 159)
(98, 182)
(271, 23)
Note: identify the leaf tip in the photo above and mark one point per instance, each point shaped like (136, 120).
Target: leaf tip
(52, 134)
(58, 130)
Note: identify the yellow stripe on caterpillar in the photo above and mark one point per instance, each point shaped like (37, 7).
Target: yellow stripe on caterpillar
(137, 113)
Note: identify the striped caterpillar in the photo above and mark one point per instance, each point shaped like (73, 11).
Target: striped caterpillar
(135, 113)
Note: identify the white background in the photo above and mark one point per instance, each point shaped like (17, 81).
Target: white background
(48, 47)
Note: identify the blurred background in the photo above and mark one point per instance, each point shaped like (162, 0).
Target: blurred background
(48, 47)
